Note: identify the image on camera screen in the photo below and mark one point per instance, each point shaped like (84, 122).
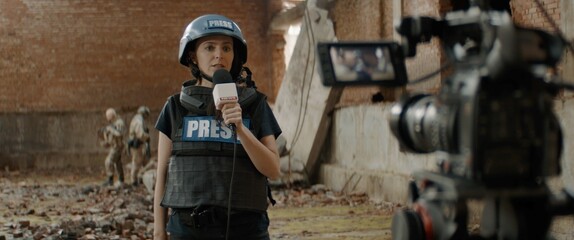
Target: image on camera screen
(358, 63)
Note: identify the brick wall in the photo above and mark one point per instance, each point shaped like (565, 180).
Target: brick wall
(68, 55)
(63, 62)
(526, 13)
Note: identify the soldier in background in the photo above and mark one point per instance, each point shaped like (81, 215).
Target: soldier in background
(112, 138)
(138, 143)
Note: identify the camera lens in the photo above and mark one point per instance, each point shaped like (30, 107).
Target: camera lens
(421, 126)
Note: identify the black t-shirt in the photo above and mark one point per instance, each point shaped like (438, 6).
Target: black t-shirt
(262, 118)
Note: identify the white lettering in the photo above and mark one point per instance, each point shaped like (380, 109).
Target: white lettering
(226, 133)
(220, 23)
(203, 128)
(214, 128)
(191, 127)
(206, 129)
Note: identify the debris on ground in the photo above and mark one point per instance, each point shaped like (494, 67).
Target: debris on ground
(75, 206)
(43, 210)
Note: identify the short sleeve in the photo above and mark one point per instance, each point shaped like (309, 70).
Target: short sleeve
(164, 120)
(265, 119)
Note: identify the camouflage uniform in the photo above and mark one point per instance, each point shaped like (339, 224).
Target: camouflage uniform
(113, 139)
(138, 143)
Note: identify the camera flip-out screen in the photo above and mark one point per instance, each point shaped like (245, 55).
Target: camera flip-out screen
(362, 63)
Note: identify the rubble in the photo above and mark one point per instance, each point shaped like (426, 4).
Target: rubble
(54, 209)
(71, 207)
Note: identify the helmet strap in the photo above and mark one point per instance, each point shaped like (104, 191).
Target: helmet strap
(204, 76)
(248, 80)
(195, 69)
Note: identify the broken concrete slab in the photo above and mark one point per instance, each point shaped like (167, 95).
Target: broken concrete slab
(303, 104)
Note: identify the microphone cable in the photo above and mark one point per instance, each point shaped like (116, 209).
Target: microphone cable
(234, 132)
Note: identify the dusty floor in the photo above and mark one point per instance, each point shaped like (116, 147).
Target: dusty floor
(56, 205)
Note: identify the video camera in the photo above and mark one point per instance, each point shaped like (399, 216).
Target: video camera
(492, 123)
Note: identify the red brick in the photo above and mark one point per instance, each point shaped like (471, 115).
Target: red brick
(68, 55)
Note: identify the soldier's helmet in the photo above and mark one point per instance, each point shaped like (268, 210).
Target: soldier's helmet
(213, 24)
(111, 114)
(144, 111)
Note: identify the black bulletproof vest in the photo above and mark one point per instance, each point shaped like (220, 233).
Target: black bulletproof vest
(199, 173)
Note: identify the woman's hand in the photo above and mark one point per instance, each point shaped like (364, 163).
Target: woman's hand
(231, 113)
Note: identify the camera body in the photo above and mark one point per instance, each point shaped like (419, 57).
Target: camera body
(493, 117)
(492, 124)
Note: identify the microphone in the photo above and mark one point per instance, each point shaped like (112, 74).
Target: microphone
(224, 89)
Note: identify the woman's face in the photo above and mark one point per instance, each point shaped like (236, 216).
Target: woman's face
(213, 53)
(349, 58)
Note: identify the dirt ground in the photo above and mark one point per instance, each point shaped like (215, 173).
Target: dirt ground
(73, 205)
